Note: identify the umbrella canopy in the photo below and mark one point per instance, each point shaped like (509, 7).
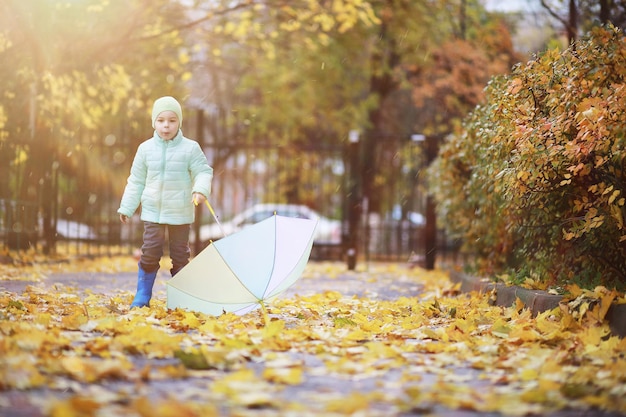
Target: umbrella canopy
(241, 271)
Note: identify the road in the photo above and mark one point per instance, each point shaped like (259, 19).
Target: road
(387, 384)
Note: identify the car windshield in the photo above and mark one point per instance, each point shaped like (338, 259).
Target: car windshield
(257, 216)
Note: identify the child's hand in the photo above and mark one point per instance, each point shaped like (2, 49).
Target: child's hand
(198, 198)
(123, 218)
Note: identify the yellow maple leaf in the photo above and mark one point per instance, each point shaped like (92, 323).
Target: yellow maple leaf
(273, 328)
(351, 404)
(75, 406)
(288, 376)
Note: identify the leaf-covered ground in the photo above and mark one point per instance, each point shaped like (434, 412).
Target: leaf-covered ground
(383, 341)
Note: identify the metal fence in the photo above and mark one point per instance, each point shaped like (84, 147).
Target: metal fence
(21, 229)
(246, 172)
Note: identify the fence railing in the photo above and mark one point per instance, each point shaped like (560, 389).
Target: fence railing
(20, 230)
(81, 217)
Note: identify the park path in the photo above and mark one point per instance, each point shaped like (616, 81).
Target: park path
(375, 282)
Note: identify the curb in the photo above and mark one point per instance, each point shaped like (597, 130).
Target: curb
(537, 301)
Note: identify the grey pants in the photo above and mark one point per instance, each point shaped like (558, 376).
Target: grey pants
(154, 240)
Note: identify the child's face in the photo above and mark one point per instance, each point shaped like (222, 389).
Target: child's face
(166, 125)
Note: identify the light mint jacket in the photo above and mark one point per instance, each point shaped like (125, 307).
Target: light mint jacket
(163, 177)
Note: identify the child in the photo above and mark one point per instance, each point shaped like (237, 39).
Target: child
(168, 175)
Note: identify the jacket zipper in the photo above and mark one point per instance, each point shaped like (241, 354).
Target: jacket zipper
(162, 176)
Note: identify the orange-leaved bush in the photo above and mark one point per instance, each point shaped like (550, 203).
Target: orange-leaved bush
(535, 181)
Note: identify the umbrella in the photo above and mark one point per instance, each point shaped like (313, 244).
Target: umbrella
(244, 270)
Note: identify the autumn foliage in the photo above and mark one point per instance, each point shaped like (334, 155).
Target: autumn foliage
(390, 341)
(535, 182)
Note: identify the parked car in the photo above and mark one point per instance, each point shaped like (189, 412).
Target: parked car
(67, 229)
(328, 231)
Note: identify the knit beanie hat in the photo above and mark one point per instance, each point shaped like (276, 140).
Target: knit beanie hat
(164, 104)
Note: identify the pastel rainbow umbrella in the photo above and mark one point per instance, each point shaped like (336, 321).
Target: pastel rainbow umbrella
(244, 270)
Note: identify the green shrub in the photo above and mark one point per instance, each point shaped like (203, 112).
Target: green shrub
(535, 182)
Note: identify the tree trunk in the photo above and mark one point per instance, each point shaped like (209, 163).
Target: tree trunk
(430, 229)
(572, 23)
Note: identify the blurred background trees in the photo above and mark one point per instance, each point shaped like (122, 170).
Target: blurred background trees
(298, 77)
(77, 80)
(80, 78)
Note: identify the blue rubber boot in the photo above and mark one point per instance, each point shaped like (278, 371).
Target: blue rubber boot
(145, 282)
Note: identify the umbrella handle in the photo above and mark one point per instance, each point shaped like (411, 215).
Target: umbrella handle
(214, 216)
